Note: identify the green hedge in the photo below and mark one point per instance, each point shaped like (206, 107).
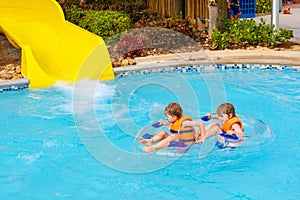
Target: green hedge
(103, 23)
(263, 6)
(248, 32)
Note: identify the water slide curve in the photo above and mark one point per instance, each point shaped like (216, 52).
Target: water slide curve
(53, 49)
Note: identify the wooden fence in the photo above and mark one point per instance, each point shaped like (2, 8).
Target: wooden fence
(195, 9)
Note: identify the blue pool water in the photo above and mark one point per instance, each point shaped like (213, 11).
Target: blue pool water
(76, 142)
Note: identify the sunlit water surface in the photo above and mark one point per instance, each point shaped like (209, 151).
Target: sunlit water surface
(44, 156)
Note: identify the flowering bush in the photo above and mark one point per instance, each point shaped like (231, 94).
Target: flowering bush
(133, 44)
(185, 26)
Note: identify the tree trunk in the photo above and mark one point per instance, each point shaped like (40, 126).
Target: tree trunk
(213, 18)
(217, 14)
(222, 13)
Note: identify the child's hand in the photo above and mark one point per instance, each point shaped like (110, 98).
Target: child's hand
(230, 132)
(161, 121)
(208, 115)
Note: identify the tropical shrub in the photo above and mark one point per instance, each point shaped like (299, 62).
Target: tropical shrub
(263, 6)
(247, 32)
(103, 23)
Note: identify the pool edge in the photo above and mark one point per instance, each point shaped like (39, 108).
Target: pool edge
(15, 84)
(196, 61)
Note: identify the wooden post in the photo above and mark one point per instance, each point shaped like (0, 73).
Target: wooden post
(213, 18)
(217, 13)
(222, 13)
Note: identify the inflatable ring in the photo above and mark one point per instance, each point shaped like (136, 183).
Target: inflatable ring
(258, 134)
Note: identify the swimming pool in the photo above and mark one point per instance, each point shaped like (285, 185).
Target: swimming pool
(64, 143)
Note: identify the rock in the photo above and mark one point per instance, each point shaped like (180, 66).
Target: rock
(2, 72)
(119, 59)
(10, 59)
(18, 69)
(10, 66)
(124, 62)
(116, 64)
(17, 76)
(9, 72)
(131, 61)
(6, 76)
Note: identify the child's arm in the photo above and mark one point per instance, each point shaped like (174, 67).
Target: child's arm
(199, 136)
(201, 127)
(161, 121)
(236, 128)
(210, 116)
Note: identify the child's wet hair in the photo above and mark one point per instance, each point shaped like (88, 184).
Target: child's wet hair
(226, 108)
(174, 109)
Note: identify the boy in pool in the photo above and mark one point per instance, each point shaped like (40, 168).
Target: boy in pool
(181, 129)
(232, 126)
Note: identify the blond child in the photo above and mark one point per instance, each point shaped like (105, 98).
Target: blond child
(181, 130)
(232, 126)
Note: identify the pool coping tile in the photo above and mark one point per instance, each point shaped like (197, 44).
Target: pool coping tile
(195, 62)
(15, 84)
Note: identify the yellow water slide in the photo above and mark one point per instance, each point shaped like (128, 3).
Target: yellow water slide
(53, 49)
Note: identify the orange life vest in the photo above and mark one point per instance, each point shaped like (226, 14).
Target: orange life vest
(228, 124)
(186, 134)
